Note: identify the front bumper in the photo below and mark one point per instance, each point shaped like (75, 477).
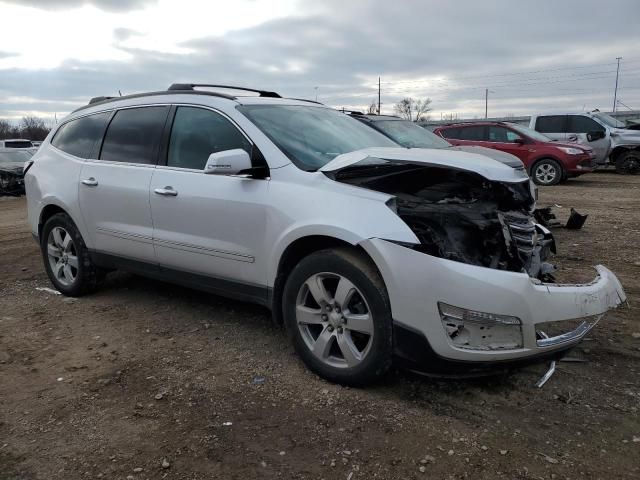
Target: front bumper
(417, 282)
(581, 164)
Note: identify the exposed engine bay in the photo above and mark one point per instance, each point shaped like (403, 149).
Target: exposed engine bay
(461, 216)
(11, 181)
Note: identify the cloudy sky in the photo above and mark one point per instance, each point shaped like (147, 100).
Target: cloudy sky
(532, 55)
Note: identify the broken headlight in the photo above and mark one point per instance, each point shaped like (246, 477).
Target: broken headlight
(473, 330)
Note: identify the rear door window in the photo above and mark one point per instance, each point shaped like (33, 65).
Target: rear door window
(134, 134)
(473, 133)
(197, 133)
(582, 124)
(552, 124)
(80, 137)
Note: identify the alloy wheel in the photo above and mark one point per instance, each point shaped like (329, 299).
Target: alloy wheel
(63, 257)
(334, 320)
(546, 173)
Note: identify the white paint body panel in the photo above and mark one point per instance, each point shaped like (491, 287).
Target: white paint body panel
(116, 211)
(214, 225)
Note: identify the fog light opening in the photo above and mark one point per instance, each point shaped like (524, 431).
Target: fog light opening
(474, 330)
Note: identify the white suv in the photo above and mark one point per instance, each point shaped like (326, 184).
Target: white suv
(364, 249)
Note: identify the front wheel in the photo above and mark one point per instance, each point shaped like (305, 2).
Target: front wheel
(547, 172)
(628, 163)
(336, 311)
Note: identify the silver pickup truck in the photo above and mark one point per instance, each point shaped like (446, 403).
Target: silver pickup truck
(612, 143)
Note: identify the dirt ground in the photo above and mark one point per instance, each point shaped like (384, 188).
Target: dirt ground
(147, 380)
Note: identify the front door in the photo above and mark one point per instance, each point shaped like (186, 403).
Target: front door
(114, 189)
(580, 126)
(506, 140)
(206, 224)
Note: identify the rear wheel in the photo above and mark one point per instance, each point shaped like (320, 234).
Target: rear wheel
(337, 313)
(66, 258)
(628, 163)
(547, 172)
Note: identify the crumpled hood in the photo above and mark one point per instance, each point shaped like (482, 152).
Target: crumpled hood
(461, 160)
(502, 157)
(624, 135)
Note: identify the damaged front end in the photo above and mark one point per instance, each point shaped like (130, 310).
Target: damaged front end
(11, 181)
(459, 215)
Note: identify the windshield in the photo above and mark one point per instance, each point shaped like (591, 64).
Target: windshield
(529, 132)
(608, 120)
(312, 136)
(410, 135)
(11, 157)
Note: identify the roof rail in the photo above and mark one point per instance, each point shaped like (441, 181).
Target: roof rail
(100, 99)
(189, 86)
(305, 100)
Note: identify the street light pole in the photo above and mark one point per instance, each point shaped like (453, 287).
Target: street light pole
(486, 103)
(615, 92)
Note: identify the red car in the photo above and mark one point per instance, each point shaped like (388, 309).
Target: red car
(547, 161)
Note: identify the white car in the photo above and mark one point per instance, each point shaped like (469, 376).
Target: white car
(362, 248)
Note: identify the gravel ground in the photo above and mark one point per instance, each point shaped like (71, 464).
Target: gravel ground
(147, 380)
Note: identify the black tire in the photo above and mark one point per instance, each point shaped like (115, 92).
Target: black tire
(628, 163)
(87, 274)
(547, 172)
(360, 271)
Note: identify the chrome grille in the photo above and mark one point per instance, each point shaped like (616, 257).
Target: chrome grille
(523, 233)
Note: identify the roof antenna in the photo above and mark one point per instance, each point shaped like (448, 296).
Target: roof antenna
(120, 92)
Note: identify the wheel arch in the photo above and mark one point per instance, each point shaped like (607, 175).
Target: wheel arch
(295, 251)
(620, 149)
(46, 213)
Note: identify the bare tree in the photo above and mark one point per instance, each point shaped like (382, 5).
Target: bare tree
(373, 108)
(413, 110)
(33, 128)
(5, 129)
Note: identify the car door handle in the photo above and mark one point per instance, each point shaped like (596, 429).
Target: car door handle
(90, 182)
(166, 191)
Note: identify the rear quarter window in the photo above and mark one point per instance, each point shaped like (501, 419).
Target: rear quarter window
(79, 137)
(450, 132)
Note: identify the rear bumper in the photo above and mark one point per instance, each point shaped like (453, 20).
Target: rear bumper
(417, 283)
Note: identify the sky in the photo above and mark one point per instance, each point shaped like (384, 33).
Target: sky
(532, 56)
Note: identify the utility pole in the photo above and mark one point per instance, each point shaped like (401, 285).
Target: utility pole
(615, 92)
(486, 103)
(378, 95)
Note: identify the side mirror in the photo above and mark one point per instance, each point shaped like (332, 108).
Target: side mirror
(519, 141)
(595, 135)
(228, 162)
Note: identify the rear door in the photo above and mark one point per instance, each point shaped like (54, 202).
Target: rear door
(114, 186)
(204, 224)
(553, 126)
